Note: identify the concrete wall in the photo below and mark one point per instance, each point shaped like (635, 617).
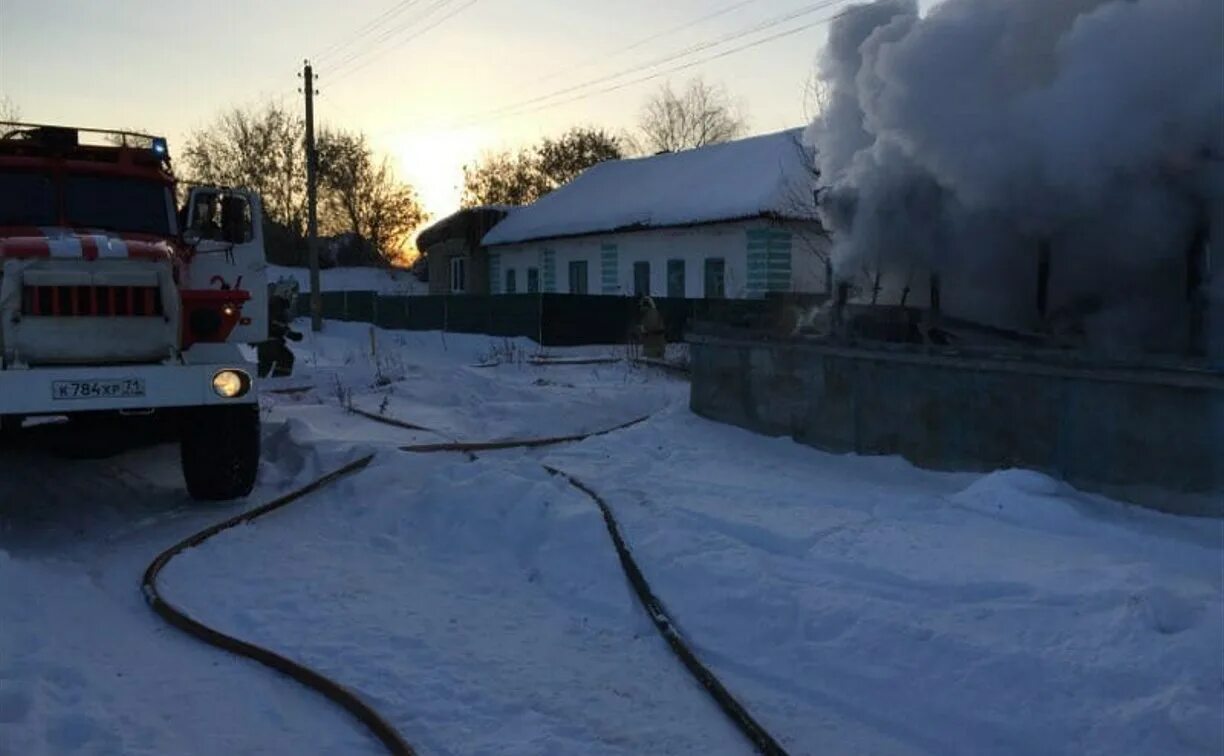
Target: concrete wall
(1153, 436)
(610, 259)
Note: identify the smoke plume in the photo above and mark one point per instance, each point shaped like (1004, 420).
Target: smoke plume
(965, 140)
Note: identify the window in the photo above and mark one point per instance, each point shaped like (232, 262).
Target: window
(715, 278)
(675, 279)
(495, 274)
(118, 204)
(609, 276)
(578, 277)
(641, 279)
(533, 280)
(548, 262)
(458, 275)
(236, 223)
(26, 199)
(221, 217)
(511, 281)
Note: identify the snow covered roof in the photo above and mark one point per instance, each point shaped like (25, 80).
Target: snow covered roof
(768, 175)
(470, 222)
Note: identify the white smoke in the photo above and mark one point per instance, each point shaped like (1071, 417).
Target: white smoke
(960, 140)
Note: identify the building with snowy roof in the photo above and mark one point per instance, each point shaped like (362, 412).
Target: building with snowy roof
(734, 220)
(458, 264)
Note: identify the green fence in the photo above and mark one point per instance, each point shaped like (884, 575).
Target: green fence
(550, 319)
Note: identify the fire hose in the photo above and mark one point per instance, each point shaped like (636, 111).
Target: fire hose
(308, 677)
(738, 715)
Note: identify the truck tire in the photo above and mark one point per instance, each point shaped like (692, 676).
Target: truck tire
(219, 447)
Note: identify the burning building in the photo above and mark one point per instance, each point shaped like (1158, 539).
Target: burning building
(1050, 167)
(1029, 194)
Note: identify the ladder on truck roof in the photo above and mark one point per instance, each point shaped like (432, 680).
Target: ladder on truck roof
(37, 139)
(56, 135)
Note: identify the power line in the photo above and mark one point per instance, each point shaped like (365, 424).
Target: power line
(371, 52)
(387, 33)
(365, 29)
(646, 40)
(519, 109)
(410, 38)
(691, 49)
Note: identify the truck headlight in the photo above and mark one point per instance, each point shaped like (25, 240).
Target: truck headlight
(230, 384)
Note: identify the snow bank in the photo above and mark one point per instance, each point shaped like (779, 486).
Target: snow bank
(748, 178)
(860, 605)
(85, 665)
(431, 379)
(855, 605)
(382, 280)
(476, 604)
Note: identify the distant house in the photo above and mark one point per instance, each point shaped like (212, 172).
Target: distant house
(458, 264)
(733, 220)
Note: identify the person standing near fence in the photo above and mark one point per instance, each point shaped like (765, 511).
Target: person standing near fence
(275, 357)
(652, 329)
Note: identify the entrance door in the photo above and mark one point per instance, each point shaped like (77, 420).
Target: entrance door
(641, 279)
(578, 277)
(675, 279)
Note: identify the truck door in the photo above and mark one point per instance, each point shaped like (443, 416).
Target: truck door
(226, 226)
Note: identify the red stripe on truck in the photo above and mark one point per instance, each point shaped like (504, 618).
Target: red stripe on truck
(89, 246)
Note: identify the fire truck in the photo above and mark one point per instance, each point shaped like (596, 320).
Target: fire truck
(115, 301)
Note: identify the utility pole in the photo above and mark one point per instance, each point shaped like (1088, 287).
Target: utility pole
(312, 201)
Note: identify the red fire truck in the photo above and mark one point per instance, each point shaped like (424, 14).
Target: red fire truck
(115, 301)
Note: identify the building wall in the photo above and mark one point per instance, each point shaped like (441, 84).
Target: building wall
(440, 256)
(759, 256)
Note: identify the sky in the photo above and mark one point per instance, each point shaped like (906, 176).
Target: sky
(422, 82)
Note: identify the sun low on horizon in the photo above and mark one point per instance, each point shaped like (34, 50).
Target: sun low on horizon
(432, 162)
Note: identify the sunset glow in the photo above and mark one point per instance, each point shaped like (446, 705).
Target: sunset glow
(430, 90)
(433, 163)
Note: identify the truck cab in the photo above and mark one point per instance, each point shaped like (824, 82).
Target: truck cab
(114, 300)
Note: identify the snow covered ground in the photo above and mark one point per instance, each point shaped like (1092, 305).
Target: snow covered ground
(854, 605)
(381, 280)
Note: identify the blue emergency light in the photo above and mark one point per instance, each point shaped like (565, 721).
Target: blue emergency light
(160, 148)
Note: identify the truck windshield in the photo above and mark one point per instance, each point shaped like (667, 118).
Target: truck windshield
(118, 204)
(26, 199)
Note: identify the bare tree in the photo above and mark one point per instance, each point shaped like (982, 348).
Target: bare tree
(260, 149)
(518, 178)
(699, 115)
(815, 96)
(362, 196)
(503, 178)
(801, 200)
(9, 110)
(561, 159)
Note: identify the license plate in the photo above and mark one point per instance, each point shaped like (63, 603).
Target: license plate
(116, 388)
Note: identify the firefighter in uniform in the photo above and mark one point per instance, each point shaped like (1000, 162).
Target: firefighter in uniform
(275, 357)
(652, 329)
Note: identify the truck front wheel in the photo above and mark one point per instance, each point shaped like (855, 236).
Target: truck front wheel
(220, 451)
